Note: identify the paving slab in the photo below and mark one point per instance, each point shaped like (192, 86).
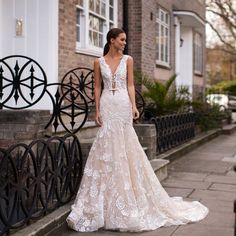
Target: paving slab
(224, 187)
(218, 205)
(203, 230)
(214, 195)
(187, 176)
(219, 219)
(181, 192)
(221, 179)
(186, 184)
(163, 231)
(201, 166)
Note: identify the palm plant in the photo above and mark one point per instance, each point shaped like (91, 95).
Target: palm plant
(162, 98)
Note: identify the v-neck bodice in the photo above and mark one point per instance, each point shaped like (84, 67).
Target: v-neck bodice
(120, 74)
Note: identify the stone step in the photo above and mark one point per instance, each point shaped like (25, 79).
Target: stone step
(160, 168)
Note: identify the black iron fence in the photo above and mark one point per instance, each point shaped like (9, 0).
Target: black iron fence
(23, 84)
(173, 130)
(37, 178)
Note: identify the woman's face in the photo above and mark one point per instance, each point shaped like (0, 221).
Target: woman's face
(119, 42)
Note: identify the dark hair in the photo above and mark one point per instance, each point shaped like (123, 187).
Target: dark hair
(112, 34)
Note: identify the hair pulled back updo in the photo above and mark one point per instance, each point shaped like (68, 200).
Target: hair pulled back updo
(112, 34)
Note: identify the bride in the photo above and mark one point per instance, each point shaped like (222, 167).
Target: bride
(119, 190)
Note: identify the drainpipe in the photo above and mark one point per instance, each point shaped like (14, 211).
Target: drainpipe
(125, 22)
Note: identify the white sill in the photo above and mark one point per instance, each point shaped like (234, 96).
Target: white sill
(163, 64)
(89, 51)
(198, 73)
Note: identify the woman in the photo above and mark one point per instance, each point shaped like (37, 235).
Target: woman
(119, 190)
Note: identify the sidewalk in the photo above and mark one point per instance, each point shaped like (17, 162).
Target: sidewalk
(204, 174)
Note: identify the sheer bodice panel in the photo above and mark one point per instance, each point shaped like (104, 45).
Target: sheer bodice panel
(119, 75)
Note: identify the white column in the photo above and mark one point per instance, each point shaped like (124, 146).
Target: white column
(177, 51)
(186, 58)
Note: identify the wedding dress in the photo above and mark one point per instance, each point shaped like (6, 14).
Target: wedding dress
(119, 189)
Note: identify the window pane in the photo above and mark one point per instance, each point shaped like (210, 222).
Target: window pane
(103, 9)
(100, 26)
(162, 36)
(90, 37)
(95, 39)
(97, 7)
(91, 5)
(111, 3)
(111, 26)
(100, 40)
(78, 34)
(162, 42)
(90, 21)
(167, 19)
(166, 45)
(78, 17)
(80, 3)
(157, 42)
(96, 23)
(78, 26)
(198, 53)
(111, 15)
(162, 16)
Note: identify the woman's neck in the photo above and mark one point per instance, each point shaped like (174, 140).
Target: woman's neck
(114, 53)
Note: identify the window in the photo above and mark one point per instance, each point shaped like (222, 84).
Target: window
(198, 54)
(234, 69)
(162, 37)
(94, 19)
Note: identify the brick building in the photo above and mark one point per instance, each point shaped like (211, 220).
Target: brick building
(164, 36)
(220, 66)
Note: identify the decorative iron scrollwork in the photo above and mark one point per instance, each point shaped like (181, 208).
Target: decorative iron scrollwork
(37, 178)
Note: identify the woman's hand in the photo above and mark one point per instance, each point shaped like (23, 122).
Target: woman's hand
(135, 113)
(98, 119)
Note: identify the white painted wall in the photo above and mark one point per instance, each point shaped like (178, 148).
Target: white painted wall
(40, 34)
(1, 30)
(177, 52)
(186, 58)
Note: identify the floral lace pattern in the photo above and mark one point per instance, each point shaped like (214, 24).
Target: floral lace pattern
(119, 189)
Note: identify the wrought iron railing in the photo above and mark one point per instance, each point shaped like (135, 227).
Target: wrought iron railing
(82, 78)
(173, 130)
(37, 178)
(23, 84)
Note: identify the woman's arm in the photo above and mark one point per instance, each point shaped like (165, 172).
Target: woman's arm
(97, 91)
(131, 89)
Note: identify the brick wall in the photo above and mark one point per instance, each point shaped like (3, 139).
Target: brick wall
(135, 32)
(22, 126)
(68, 57)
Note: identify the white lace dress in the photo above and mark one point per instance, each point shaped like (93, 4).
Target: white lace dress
(119, 189)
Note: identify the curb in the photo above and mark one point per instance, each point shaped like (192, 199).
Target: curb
(184, 148)
(57, 218)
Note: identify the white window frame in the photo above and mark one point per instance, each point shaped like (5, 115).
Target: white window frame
(198, 54)
(166, 39)
(84, 45)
